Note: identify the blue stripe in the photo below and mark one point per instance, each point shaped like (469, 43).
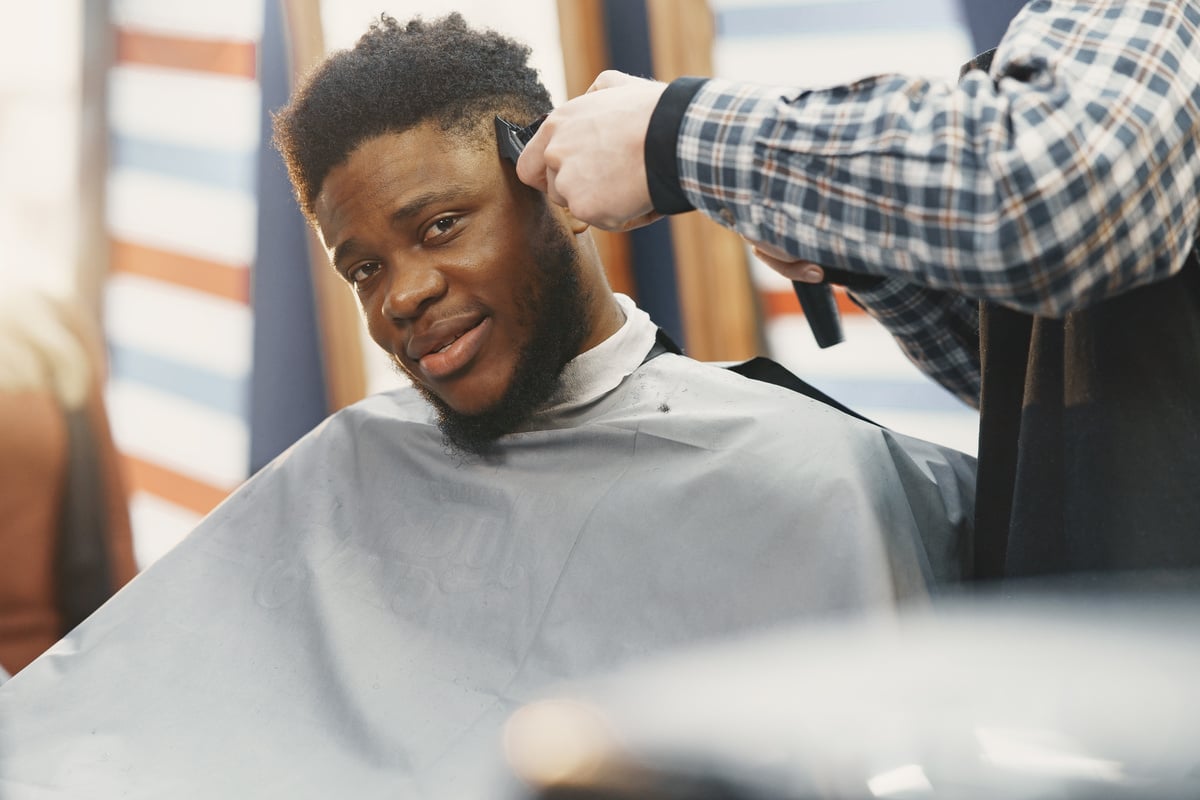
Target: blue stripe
(212, 390)
(853, 16)
(862, 393)
(222, 169)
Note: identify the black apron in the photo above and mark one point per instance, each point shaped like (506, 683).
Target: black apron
(1089, 446)
(1089, 433)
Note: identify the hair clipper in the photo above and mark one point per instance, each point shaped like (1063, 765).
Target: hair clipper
(513, 138)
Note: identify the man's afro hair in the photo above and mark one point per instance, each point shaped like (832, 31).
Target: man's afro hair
(396, 77)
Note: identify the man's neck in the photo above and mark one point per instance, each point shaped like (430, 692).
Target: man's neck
(602, 367)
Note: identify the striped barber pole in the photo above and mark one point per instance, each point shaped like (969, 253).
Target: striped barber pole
(184, 116)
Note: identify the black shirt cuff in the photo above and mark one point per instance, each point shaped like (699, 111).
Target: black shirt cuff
(662, 136)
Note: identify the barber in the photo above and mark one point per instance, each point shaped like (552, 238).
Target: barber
(1026, 235)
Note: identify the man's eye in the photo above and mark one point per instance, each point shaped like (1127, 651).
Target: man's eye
(441, 227)
(363, 271)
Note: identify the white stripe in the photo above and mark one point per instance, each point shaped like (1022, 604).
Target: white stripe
(765, 278)
(816, 62)
(868, 352)
(720, 6)
(180, 324)
(212, 19)
(959, 431)
(185, 108)
(170, 214)
(157, 526)
(188, 438)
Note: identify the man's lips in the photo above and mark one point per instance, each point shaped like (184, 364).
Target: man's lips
(442, 354)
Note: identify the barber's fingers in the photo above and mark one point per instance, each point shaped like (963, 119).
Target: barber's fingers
(572, 190)
(570, 181)
(789, 267)
(531, 166)
(611, 78)
(588, 155)
(639, 222)
(535, 170)
(612, 204)
(551, 189)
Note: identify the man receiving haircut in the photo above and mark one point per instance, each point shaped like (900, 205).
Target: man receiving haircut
(479, 291)
(362, 615)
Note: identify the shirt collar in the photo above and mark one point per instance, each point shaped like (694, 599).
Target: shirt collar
(596, 372)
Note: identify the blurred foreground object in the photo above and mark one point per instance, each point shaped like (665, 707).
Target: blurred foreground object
(65, 543)
(1059, 697)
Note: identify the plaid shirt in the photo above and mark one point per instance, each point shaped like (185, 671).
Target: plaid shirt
(1067, 175)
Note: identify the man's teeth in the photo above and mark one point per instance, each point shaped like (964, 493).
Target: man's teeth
(444, 347)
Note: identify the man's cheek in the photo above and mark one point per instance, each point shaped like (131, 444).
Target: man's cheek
(377, 328)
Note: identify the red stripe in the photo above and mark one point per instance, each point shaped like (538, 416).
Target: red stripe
(221, 280)
(177, 52)
(779, 302)
(171, 486)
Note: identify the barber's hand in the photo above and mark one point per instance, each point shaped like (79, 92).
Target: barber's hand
(788, 266)
(588, 156)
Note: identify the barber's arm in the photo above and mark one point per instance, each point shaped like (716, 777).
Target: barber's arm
(610, 156)
(1065, 177)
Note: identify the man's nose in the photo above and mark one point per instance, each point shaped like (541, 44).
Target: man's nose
(412, 287)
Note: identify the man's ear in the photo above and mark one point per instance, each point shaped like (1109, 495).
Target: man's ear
(576, 225)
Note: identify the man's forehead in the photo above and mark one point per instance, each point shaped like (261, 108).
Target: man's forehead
(434, 134)
(403, 172)
(422, 149)
(428, 144)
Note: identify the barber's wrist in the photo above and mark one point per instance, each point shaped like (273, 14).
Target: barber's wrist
(661, 149)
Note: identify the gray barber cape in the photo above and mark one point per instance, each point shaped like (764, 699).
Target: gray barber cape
(359, 618)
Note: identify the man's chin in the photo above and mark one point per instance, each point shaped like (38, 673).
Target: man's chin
(471, 434)
(477, 433)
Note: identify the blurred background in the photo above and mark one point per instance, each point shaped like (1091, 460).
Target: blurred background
(137, 184)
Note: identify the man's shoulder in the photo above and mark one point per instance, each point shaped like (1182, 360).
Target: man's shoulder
(387, 410)
(758, 379)
(686, 395)
(401, 403)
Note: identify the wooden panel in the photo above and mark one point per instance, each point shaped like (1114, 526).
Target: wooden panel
(716, 295)
(585, 55)
(341, 345)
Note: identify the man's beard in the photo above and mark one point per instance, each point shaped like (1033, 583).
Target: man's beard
(559, 312)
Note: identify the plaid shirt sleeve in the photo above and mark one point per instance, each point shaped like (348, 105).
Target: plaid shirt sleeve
(1065, 176)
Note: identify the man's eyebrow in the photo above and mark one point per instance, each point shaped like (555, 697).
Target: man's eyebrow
(421, 201)
(340, 252)
(410, 209)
